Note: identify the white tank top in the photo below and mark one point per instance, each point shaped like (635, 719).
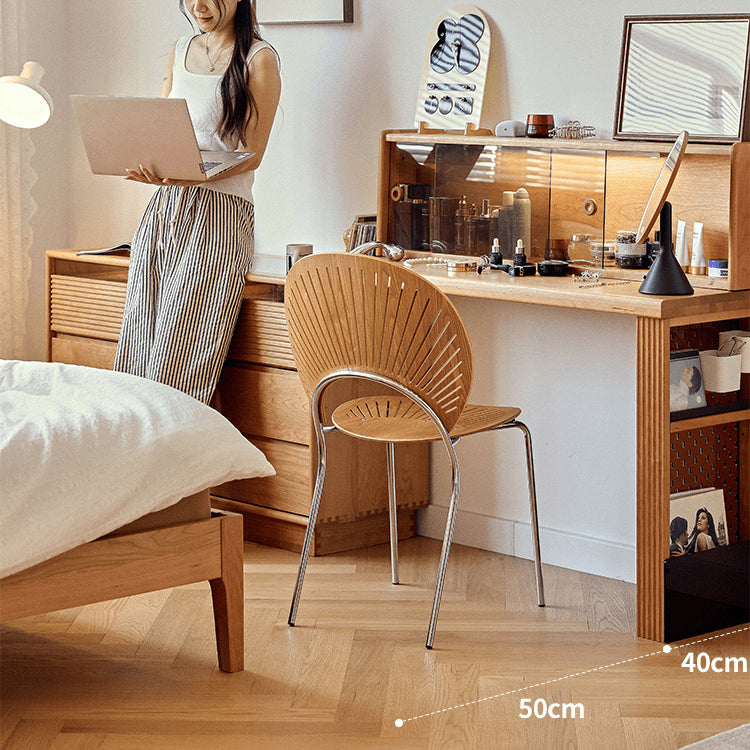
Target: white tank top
(203, 95)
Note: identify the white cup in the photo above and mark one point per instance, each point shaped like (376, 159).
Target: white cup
(295, 252)
(720, 374)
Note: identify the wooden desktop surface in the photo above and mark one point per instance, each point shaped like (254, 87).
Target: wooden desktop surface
(571, 292)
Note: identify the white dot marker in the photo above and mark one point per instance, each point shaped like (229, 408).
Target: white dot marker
(399, 723)
(667, 649)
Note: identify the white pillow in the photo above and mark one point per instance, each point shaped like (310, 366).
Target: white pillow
(84, 451)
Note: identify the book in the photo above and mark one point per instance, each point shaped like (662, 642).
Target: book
(697, 521)
(104, 250)
(686, 390)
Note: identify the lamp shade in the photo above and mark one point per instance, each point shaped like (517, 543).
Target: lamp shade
(23, 102)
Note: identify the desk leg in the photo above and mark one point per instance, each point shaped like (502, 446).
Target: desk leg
(652, 462)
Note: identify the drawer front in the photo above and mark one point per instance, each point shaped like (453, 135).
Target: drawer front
(289, 490)
(74, 350)
(261, 336)
(86, 307)
(267, 402)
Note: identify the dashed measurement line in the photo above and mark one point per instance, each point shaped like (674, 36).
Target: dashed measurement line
(664, 650)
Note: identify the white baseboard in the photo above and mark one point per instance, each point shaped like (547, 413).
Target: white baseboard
(562, 548)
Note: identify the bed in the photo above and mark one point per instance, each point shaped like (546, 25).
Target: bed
(104, 493)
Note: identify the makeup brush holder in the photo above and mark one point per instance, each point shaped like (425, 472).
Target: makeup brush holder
(720, 374)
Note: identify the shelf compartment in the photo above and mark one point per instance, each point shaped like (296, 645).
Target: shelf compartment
(706, 591)
(738, 411)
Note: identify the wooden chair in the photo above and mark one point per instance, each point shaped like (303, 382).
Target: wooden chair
(355, 316)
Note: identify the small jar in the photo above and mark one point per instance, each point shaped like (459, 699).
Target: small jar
(557, 249)
(603, 253)
(719, 268)
(579, 246)
(628, 253)
(539, 126)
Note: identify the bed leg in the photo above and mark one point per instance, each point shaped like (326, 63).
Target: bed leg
(229, 597)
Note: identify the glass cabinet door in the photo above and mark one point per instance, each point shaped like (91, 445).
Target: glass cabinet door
(459, 197)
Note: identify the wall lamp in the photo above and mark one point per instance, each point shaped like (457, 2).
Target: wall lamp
(23, 102)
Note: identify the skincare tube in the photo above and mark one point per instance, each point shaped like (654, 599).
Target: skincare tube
(698, 257)
(681, 246)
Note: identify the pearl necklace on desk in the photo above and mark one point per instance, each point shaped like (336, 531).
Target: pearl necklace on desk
(434, 260)
(431, 260)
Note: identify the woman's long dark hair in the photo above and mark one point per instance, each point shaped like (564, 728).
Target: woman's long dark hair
(692, 545)
(238, 103)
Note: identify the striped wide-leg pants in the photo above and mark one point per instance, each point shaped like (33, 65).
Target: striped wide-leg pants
(188, 260)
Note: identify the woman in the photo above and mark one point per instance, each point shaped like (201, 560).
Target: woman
(703, 535)
(195, 241)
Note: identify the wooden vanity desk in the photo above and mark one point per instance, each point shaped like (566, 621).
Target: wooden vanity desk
(565, 179)
(657, 319)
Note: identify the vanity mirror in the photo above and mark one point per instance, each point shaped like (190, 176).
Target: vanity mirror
(662, 186)
(684, 73)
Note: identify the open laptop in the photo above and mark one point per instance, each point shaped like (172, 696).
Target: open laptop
(123, 132)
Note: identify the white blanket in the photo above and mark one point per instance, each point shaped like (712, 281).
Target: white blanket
(84, 451)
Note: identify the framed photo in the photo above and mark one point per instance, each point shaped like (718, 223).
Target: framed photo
(697, 521)
(686, 390)
(304, 11)
(686, 72)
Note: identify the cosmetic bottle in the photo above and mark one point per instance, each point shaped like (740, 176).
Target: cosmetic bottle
(681, 246)
(506, 221)
(483, 228)
(470, 231)
(443, 224)
(698, 257)
(522, 217)
(496, 256)
(461, 213)
(718, 268)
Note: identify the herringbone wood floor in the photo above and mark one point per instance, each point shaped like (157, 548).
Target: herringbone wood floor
(141, 672)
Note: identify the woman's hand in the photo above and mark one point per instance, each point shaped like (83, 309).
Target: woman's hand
(144, 175)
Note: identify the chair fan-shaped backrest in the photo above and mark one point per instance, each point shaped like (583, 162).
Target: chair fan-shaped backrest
(356, 312)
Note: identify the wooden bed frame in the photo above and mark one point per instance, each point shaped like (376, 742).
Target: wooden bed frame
(142, 561)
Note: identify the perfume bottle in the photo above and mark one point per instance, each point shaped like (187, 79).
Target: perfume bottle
(461, 214)
(471, 230)
(483, 228)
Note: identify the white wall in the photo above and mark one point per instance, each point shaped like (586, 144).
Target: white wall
(343, 84)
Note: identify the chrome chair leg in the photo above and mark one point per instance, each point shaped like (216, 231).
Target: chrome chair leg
(392, 511)
(447, 537)
(532, 502)
(310, 532)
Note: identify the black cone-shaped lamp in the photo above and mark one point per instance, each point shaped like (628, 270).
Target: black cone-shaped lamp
(666, 276)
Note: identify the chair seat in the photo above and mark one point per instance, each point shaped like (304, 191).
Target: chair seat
(396, 419)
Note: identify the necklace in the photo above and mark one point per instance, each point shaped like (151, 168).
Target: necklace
(212, 65)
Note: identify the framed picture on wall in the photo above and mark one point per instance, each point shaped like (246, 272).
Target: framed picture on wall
(304, 11)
